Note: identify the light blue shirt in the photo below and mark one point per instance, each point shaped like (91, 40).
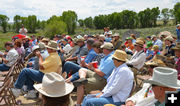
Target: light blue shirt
(91, 55)
(107, 65)
(159, 43)
(119, 84)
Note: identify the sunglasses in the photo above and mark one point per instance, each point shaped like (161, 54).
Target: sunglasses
(153, 85)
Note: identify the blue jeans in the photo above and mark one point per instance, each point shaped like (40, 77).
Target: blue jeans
(70, 66)
(3, 67)
(100, 101)
(28, 77)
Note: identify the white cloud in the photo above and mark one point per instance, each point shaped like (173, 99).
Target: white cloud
(44, 9)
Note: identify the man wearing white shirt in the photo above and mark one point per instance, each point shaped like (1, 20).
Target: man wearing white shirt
(139, 57)
(67, 48)
(119, 84)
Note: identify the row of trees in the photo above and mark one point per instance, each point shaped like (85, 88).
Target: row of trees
(67, 22)
(131, 19)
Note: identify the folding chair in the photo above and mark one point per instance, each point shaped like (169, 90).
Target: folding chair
(6, 96)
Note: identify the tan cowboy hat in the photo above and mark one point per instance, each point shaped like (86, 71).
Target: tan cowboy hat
(169, 38)
(120, 55)
(45, 39)
(107, 45)
(52, 45)
(153, 36)
(164, 76)
(80, 40)
(155, 62)
(139, 42)
(54, 85)
(155, 47)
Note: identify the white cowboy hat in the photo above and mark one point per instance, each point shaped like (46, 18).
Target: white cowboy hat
(35, 48)
(54, 85)
(166, 77)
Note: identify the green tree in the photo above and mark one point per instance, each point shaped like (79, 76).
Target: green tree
(55, 27)
(177, 12)
(32, 23)
(99, 22)
(17, 23)
(88, 22)
(81, 22)
(70, 18)
(154, 15)
(4, 22)
(53, 18)
(43, 24)
(165, 15)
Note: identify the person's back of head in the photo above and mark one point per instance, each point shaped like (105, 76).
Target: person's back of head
(56, 101)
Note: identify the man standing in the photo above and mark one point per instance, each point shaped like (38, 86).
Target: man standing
(178, 32)
(23, 31)
(28, 76)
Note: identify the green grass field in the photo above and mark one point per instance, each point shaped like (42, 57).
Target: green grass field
(4, 37)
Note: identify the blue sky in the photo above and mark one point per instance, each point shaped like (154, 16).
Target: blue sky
(44, 9)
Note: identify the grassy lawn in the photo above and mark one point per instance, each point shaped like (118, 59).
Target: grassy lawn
(4, 37)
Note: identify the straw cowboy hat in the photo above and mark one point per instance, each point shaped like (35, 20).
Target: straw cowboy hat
(54, 85)
(166, 77)
(169, 38)
(45, 40)
(120, 55)
(52, 45)
(107, 45)
(155, 47)
(139, 42)
(155, 62)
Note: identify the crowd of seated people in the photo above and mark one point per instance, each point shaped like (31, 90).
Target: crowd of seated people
(103, 68)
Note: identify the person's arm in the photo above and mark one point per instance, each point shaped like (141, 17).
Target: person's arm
(138, 96)
(4, 60)
(99, 72)
(40, 60)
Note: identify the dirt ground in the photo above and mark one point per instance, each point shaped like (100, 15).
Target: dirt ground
(38, 102)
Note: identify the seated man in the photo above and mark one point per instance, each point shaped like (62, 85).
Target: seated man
(81, 51)
(96, 77)
(10, 58)
(138, 58)
(145, 97)
(118, 87)
(70, 66)
(28, 76)
(164, 79)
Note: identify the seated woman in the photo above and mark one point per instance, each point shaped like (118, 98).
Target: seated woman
(55, 91)
(118, 87)
(10, 58)
(19, 48)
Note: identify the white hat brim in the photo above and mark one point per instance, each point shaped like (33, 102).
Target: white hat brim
(151, 81)
(68, 89)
